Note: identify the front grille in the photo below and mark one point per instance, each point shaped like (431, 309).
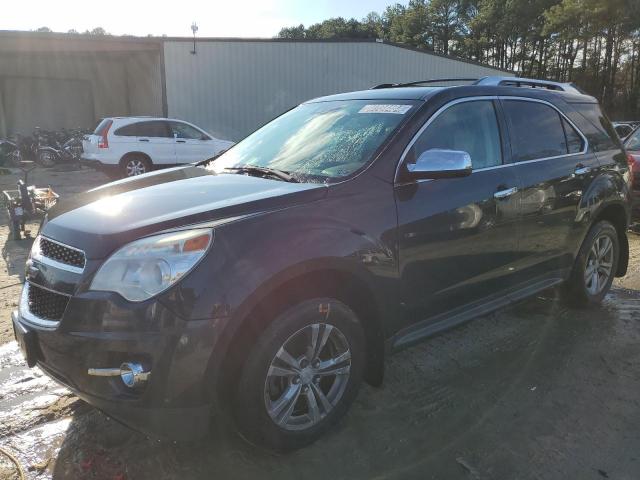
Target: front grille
(45, 304)
(61, 253)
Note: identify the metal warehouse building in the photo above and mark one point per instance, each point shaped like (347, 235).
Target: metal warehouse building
(228, 86)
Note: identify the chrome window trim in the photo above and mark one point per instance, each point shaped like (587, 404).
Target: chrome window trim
(54, 263)
(585, 144)
(29, 317)
(503, 165)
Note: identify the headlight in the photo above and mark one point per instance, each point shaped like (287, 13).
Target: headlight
(148, 266)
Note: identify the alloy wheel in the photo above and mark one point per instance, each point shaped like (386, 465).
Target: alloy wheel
(307, 377)
(135, 167)
(599, 264)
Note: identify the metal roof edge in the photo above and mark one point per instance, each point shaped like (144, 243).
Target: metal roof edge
(161, 39)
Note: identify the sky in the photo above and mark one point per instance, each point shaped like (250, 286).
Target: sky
(230, 18)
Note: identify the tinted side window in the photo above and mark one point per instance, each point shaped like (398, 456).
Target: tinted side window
(153, 129)
(575, 144)
(127, 131)
(535, 130)
(471, 127)
(182, 130)
(602, 136)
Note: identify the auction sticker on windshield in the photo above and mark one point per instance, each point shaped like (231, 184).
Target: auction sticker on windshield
(385, 108)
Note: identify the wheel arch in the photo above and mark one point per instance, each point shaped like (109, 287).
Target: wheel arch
(128, 155)
(617, 215)
(328, 281)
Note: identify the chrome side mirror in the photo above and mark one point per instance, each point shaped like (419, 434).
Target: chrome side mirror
(440, 163)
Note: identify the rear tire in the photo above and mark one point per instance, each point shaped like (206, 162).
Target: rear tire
(301, 375)
(134, 165)
(595, 266)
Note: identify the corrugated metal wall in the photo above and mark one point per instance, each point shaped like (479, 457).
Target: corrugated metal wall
(71, 89)
(144, 79)
(232, 87)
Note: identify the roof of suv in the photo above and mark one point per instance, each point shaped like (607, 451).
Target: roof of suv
(143, 118)
(514, 86)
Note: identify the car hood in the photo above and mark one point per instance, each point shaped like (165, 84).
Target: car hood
(100, 220)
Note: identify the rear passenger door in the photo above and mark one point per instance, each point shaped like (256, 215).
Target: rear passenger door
(551, 160)
(154, 137)
(457, 236)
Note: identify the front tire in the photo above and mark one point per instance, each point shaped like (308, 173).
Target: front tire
(595, 266)
(301, 375)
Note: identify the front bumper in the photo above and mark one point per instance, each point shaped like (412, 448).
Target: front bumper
(173, 404)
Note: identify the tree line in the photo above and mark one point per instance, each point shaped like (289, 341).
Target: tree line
(593, 43)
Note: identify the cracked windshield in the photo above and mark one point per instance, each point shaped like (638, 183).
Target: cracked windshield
(284, 239)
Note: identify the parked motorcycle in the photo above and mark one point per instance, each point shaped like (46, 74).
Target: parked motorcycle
(45, 147)
(60, 147)
(10, 154)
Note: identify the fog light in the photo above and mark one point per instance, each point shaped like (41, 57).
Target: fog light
(132, 374)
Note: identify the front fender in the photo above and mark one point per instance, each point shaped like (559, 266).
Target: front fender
(253, 257)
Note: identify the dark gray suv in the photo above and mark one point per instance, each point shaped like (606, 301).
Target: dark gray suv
(267, 284)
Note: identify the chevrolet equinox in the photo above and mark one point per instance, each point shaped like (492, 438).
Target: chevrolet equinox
(265, 285)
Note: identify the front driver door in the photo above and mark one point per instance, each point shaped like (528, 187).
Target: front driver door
(192, 145)
(457, 236)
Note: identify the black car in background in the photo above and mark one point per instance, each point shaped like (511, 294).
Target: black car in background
(266, 285)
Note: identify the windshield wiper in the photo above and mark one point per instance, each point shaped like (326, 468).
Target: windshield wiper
(274, 172)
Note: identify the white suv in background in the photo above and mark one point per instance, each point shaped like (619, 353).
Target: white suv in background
(128, 146)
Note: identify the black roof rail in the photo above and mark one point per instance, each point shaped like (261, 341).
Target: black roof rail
(422, 82)
(529, 82)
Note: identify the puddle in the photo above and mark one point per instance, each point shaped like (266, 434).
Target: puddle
(34, 415)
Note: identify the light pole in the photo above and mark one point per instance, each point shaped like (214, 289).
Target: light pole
(194, 29)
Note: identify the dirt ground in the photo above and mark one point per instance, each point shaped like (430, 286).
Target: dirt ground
(534, 391)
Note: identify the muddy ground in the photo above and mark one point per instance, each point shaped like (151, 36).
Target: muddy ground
(534, 391)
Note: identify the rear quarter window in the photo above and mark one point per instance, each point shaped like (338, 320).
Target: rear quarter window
(597, 127)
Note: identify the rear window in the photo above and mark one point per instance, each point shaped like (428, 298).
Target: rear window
(102, 124)
(535, 129)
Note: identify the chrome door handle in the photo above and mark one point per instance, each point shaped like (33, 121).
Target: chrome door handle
(499, 195)
(581, 170)
(104, 372)
(143, 139)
